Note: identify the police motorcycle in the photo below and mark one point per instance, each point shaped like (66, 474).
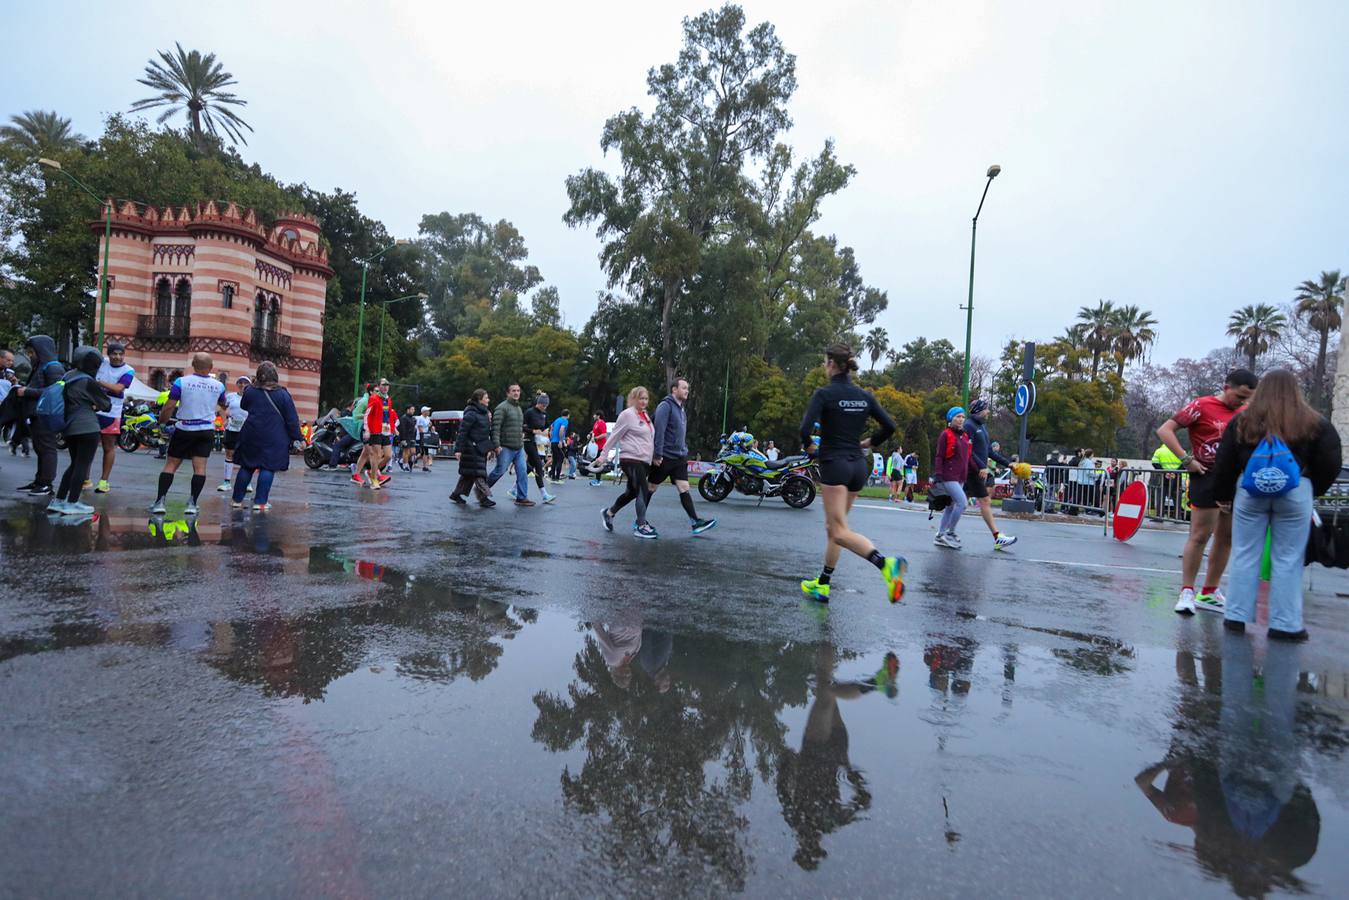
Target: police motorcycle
(327, 432)
(740, 467)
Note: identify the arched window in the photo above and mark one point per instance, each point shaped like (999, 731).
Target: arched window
(163, 298)
(227, 296)
(274, 315)
(182, 298)
(157, 379)
(260, 311)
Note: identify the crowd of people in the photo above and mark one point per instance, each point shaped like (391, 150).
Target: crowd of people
(1251, 423)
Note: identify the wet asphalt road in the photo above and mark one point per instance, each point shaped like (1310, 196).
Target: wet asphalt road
(364, 694)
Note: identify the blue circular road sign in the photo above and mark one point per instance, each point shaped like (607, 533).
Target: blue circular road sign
(1025, 398)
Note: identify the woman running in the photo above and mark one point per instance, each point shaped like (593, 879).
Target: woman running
(842, 408)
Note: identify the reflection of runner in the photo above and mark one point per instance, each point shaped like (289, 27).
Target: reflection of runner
(1237, 786)
(810, 783)
(842, 410)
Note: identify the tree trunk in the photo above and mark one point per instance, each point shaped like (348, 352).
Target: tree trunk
(1339, 406)
(1321, 370)
(1250, 360)
(670, 292)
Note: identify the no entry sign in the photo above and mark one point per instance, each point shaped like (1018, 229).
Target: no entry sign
(1133, 502)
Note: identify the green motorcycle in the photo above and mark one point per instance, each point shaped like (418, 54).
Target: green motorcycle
(741, 468)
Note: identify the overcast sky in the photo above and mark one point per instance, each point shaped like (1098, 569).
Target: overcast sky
(1187, 157)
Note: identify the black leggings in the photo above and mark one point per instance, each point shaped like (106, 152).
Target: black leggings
(637, 488)
(534, 461)
(81, 447)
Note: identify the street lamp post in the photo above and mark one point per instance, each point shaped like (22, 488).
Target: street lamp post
(969, 306)
(726, 390)
(384, 309)
(360, 328)
(107, 243)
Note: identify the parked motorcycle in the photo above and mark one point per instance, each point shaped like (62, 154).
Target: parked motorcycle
(326, 434)
(141, 430)
(742, 469)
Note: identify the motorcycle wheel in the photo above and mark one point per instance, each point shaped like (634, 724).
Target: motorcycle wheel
(714, 488)
(313, 457)
(798, 492)
(127, 443)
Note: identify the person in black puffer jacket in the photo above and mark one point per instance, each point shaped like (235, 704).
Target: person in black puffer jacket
(473, 447)
(1276, 409)
(47, 370)
(84, 399)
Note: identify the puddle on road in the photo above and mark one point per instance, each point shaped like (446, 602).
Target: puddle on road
(641, 753)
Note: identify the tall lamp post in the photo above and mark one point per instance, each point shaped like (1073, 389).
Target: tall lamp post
(107, 242)
(384, 309)
(969, 306)
(726, 390)
(360, 328)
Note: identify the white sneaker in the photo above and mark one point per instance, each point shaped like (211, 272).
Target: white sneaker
(158, 507)
(511, 493)
(76, 509)
(953, 539)
(224, 486)
(944, 540)
(1214, 602)
(940, 539)
(1185, 605)
(1003, 540)
(548, 498)
(190, 509)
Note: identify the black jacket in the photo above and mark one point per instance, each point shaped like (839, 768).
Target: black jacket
(85, 397)
(474, 441)
(980, 447)
(44, 374)
(842, 409)
(1320, 459)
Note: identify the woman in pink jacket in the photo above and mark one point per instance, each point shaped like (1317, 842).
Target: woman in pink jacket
(635, 437)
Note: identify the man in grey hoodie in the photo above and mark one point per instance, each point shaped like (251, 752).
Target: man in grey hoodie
(85, 399)
(671, 452)
(47, 370)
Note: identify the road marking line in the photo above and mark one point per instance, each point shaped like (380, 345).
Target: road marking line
(1088, 565)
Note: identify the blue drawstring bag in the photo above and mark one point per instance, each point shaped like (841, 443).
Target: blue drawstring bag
(1272, 470)
(51, 404)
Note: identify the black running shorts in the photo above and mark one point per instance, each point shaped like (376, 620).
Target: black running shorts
(673, 468)
(379, 440)
(852, 473)
(191, 444)
(231, 439)
(1201, 490)
(976, 487)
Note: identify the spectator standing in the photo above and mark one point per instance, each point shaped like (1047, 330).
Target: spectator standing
(85, 398)
(269, 431)
(47, 370)
(474, 446)
(557, 437)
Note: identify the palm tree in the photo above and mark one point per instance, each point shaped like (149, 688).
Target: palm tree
(1256, 327)
(1133, 334)
(875, 344)
(1320, 303)
(41, 133)
(192, 83)
(1099, 333)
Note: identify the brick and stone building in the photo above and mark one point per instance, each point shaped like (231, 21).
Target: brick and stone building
(214, 278)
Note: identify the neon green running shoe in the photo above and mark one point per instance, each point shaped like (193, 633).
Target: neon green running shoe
(893, 573)
(815, 590)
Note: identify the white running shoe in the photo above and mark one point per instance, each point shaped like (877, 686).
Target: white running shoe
(225, 486)
(158, 507)
(1185, 605)
(511, 493)
(954, 539)
(190, 509)
(1003, 540)
(944, 540)
(548, 498)
(77, 509)
(1214, 602)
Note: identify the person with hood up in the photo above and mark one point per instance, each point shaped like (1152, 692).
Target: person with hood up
(271, 427)
(474, 446)
(976, 486)
(84, 399)
(952, 467)
(47, 370)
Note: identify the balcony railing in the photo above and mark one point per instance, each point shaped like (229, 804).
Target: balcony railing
(163, 326)
(267, 341)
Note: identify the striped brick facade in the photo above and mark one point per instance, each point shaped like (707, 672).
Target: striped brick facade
(214, 278)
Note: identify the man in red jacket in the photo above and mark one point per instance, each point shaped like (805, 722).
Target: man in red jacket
(381, 424)
(598, 433)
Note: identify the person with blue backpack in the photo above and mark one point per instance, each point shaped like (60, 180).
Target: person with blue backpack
(1276, 456)
(71, 407)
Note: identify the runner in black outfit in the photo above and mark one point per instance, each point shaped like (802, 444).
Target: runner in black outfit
(842, 409)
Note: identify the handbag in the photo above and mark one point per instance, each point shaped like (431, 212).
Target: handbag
(1327, 543)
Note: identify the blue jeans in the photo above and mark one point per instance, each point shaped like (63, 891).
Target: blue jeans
(950, 517)
(506, 456)
(244, 476)
(1289, 519)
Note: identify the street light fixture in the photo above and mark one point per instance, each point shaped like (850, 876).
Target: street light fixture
(107, 241)
(360, 328)
(379, 369)
(969, 306)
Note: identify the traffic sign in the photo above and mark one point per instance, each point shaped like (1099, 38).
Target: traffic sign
(1133, 503)
(1025, 398)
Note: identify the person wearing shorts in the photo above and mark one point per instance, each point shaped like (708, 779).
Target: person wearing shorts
(842, 410)
(427, 439)
(1205, 418)
(194, 398)
(381, 424)
(114, 376)
(895, 472)
(235, 416)
(407, 438)
(910, 476)
(671, 452)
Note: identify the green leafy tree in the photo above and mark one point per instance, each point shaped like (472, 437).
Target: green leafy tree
(41, 133)
(472, 267)
(718, 109)
(924, 365)
(1320, 302)
(1134, 333)
(192, 83)
(1256, 327)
